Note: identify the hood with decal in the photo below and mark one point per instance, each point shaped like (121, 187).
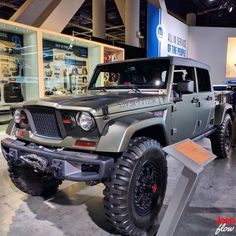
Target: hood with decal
(96, 101)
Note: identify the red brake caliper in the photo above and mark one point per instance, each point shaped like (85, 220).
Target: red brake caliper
(154, 188)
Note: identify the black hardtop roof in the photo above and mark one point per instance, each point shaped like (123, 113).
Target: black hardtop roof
(179, 61)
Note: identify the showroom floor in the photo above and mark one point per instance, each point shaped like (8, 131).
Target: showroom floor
(77, 209)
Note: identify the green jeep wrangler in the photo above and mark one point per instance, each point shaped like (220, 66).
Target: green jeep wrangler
(114, 135)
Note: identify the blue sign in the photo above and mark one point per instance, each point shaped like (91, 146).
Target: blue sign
(154, 31)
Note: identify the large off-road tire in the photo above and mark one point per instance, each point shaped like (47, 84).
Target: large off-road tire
(134, 195)
(221, 139)
(35, 183)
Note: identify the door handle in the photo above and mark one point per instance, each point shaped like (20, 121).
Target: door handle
(209, 98)
(195, 100)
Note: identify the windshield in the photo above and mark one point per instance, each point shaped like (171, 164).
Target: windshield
(147, 74)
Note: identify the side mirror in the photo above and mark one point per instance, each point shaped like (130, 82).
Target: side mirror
(186, 86)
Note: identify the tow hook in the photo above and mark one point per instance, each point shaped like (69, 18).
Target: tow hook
(36, 162)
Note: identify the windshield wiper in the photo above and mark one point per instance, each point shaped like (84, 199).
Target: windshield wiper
(103, 90)
(136, 89)
(130, 86)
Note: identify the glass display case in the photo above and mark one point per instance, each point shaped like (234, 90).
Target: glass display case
(68, 63)
(113, 54)
(18, 66)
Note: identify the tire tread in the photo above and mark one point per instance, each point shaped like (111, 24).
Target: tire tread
(115, 204)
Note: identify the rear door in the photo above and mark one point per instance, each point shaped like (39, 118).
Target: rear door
(184, 112)
(206, 101)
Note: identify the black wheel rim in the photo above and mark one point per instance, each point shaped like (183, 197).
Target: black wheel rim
(147, 189)
(228, 137)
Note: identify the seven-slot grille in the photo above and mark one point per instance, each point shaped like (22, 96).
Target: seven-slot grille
(45, 122)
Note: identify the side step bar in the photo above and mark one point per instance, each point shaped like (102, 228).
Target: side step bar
(204, 135)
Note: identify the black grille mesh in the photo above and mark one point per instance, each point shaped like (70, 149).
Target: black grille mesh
(45, 122)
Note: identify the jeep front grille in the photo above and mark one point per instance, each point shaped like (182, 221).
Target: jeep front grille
(45, 123)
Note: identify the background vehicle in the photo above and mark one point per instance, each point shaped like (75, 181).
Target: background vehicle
(115, 134)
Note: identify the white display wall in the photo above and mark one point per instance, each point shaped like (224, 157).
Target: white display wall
(175, 37)
(209, 45)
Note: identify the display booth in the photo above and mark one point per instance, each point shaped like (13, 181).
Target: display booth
(35, 63)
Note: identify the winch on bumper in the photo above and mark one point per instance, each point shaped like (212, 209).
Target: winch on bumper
(69, 165)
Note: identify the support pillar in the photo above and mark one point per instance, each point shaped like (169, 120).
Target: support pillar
(132, 15)
(99, 18)
(121, 8)
(47, 14)
(191, 19)
(30, 11)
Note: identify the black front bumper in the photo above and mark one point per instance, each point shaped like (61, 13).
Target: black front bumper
(69, 165)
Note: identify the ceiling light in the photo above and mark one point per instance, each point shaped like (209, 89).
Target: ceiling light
(230, 9)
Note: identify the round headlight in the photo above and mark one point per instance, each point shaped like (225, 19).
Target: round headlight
(85, 121)
(17, 116)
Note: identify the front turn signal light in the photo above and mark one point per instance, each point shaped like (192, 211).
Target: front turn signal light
(85, 143)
